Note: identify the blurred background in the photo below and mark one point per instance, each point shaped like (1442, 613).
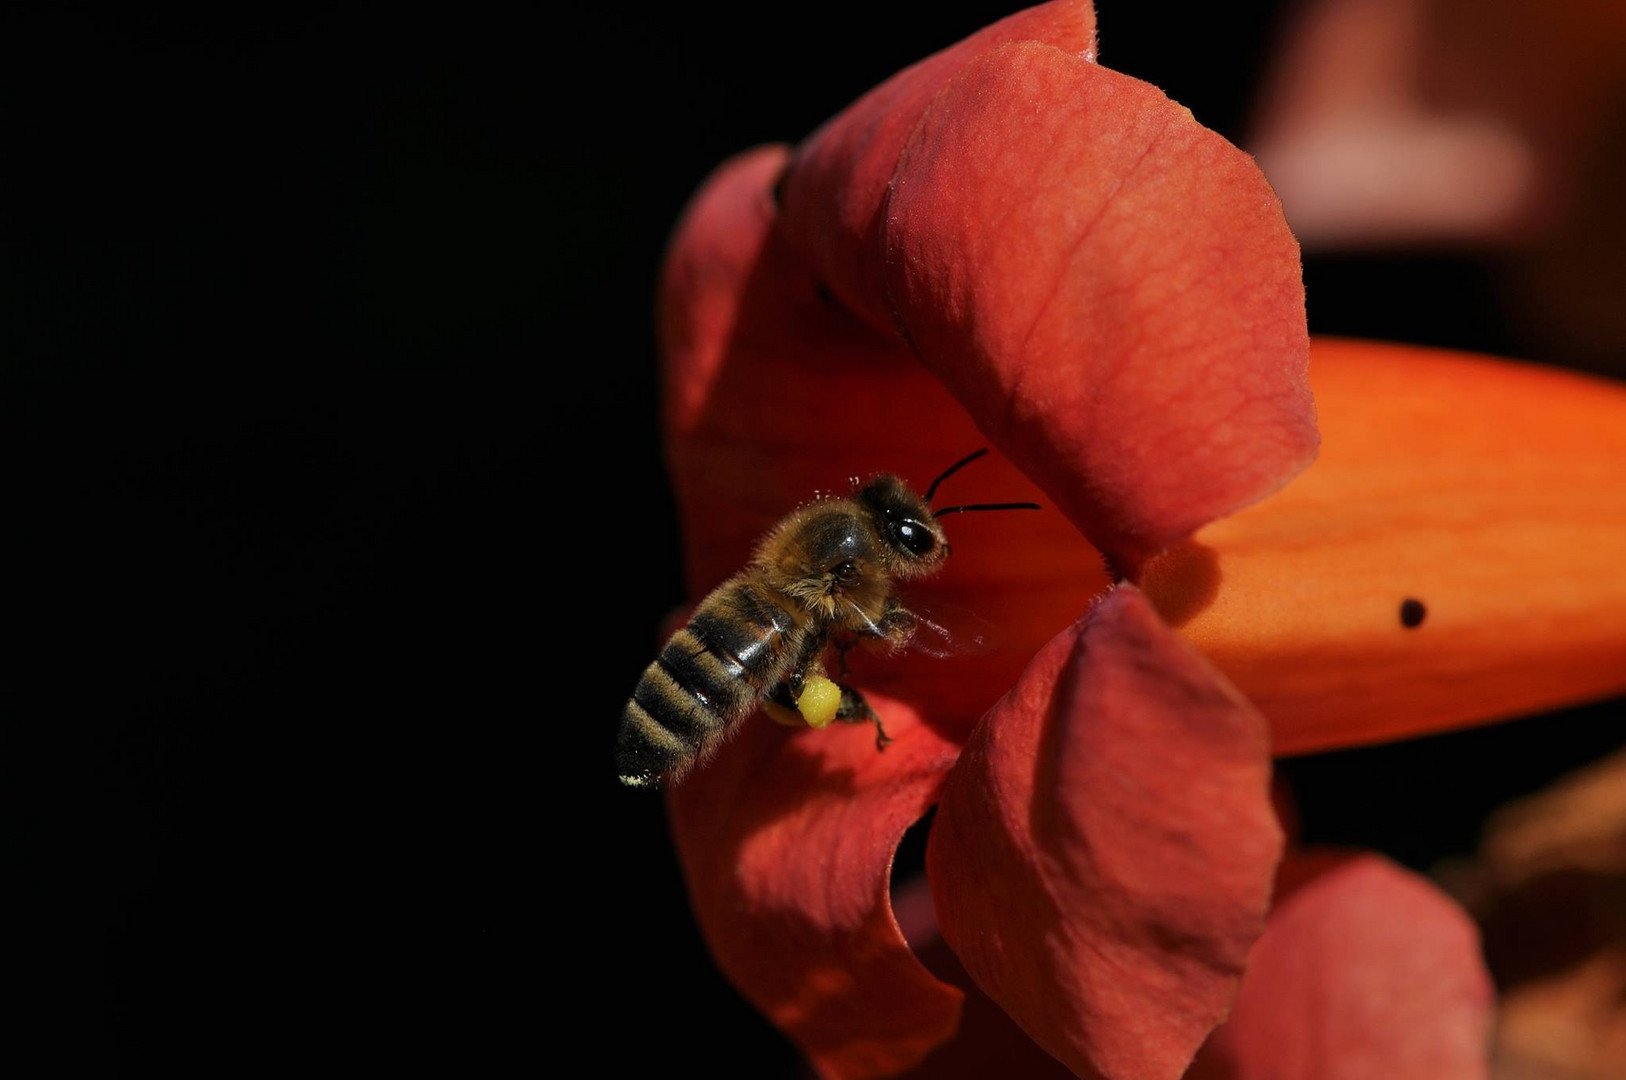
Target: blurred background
(342, 531)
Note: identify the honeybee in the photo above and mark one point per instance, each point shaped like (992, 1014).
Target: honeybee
(823, 575)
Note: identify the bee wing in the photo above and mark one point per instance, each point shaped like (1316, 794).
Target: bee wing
(944, 629)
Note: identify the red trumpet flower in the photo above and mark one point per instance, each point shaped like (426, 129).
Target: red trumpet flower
(1008, 244)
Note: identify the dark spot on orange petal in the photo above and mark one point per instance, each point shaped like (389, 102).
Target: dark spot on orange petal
(823, 292)
(1305, 625)
(1412, 613)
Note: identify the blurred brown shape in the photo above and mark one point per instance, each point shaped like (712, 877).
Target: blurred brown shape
(1567, 1025)
(1549, 886)
(1577, 824)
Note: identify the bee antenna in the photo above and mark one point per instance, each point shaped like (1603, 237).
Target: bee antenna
(951, 470)
(986, 506)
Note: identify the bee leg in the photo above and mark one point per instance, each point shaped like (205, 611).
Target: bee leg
(855, 710)
(882, 739)
(843, 647)
(789, 691)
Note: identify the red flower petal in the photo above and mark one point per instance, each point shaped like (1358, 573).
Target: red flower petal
(1103, 854)
(1364, 970)
(834, 194)
(989, 1043)
(1111, 291)
(786, 840)
(773, 393)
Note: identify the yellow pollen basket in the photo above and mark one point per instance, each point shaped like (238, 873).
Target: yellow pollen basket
(815, 708)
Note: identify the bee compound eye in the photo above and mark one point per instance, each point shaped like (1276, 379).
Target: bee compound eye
(913, 537)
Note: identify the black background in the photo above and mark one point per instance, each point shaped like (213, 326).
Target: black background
(342, 532)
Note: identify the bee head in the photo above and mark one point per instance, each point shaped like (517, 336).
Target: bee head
(906, 524)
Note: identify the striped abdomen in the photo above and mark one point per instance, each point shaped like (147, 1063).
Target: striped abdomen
(738, 646)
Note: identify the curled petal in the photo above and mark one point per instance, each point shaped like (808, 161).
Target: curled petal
(1364, 970)
(1103, 854)
(1455, 555)
(834, 193)
(1111, 291)
(787, 843)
